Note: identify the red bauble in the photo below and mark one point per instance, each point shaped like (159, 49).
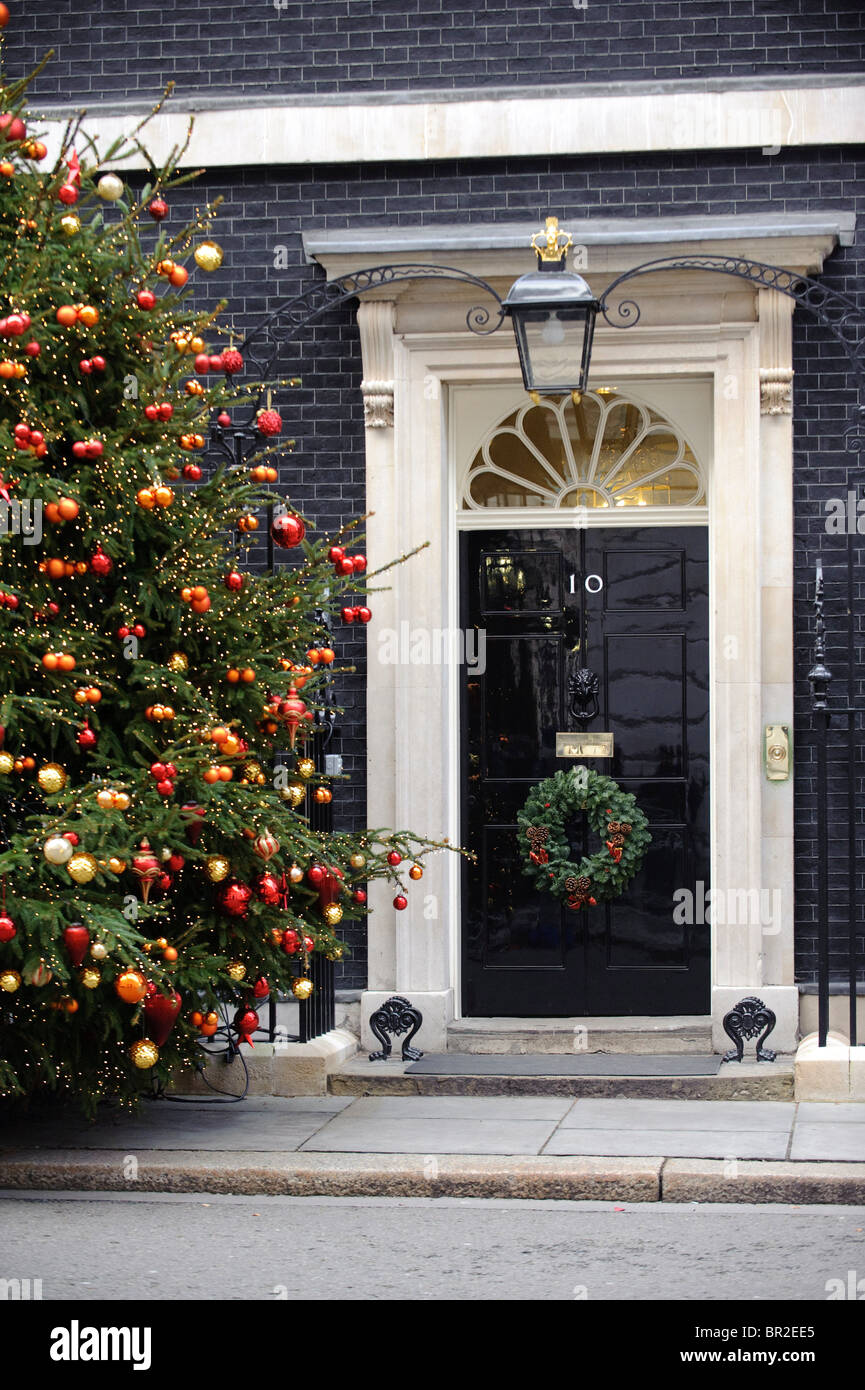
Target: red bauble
(232, 361)
(158, 770)
(261, 988)
(176, 862)
(316, 875)
(233, 581)
(287, 530)
(68, 194)
(201, 363)
(335, 553)
(400, 902)
(394, 858)
(165, 788)
(146, 299)
(268, 422)
(329, 887)
(348, 615)
(161, 1012)
(76, 939)
(100, 563)
(8, 928)
(158, 209)
(223, 419)
(192, 472)
(344, 566)
(195, 824)
(290, 942)
(358, 564)
(87, 737)
(246, 1022)
(359, 895)
(363, 615)
(268, 889)
(234, 898)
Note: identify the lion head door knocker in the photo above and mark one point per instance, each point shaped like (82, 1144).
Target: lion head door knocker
(583, 688)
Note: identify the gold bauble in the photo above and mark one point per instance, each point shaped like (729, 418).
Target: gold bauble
(415, 872)
(144, 1053)
(52, 778)
(110, 187)
(301, 987)
(295, 874)
(332, 914)
(10, 980)
(122, 801)
(294, 793)
(357, 861)
(70, 224)
(178, 663)
(99, 950)
(117, 866)
(305, 766)
(208, 255)
(251, 769)
(82, 867)
(335, 954)
(236, 969)
(40, 975)
(7, 762)
(217, 867)
(90, 977)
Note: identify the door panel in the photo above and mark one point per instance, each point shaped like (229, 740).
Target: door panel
(632, 605)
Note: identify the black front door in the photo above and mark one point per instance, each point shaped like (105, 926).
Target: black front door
(631, 604)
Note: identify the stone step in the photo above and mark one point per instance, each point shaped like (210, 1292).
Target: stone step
(678, 1033)
(748, 1080)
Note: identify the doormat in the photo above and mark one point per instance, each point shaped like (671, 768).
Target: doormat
(564, 1064)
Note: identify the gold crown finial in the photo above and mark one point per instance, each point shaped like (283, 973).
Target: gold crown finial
(554, 243)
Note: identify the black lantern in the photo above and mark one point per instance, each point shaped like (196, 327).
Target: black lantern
(553, 312)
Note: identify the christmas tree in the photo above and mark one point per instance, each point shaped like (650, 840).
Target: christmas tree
(158, 878)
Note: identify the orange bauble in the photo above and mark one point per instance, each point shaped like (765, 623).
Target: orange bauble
(68, 508)
(146, 498)
(67, 314)
(131, 986)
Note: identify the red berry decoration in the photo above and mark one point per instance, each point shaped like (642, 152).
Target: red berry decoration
(400, 902)
(232, 362)
(287, 530)
(76, 939)
(268, 422)
(234, 898)
(158, 209)
(8, 928)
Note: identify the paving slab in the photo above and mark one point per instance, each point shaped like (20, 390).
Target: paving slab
(820, 1139)
(692, 1115)
(265, 1123)
(675, 1143)
(352, 1134)
(461, 1107)
(836, 1111)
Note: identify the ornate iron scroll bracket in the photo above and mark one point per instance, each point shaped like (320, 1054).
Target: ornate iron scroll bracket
(745, 1020)
(583, 688)
(837, 312)
(396, 1015)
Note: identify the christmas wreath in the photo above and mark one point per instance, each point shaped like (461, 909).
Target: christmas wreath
(613, 814)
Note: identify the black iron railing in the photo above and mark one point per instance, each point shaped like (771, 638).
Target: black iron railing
(836, 832)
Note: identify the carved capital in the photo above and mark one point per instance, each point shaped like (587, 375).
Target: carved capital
(375, 319)
(776, 391)
(377, 404)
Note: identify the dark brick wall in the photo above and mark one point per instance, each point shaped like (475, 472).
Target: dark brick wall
(264, 210)
(128, 48)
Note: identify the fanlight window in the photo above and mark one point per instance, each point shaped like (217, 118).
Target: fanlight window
(605, 451)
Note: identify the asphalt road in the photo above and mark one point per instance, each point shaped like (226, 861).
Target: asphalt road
(87, 1246)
